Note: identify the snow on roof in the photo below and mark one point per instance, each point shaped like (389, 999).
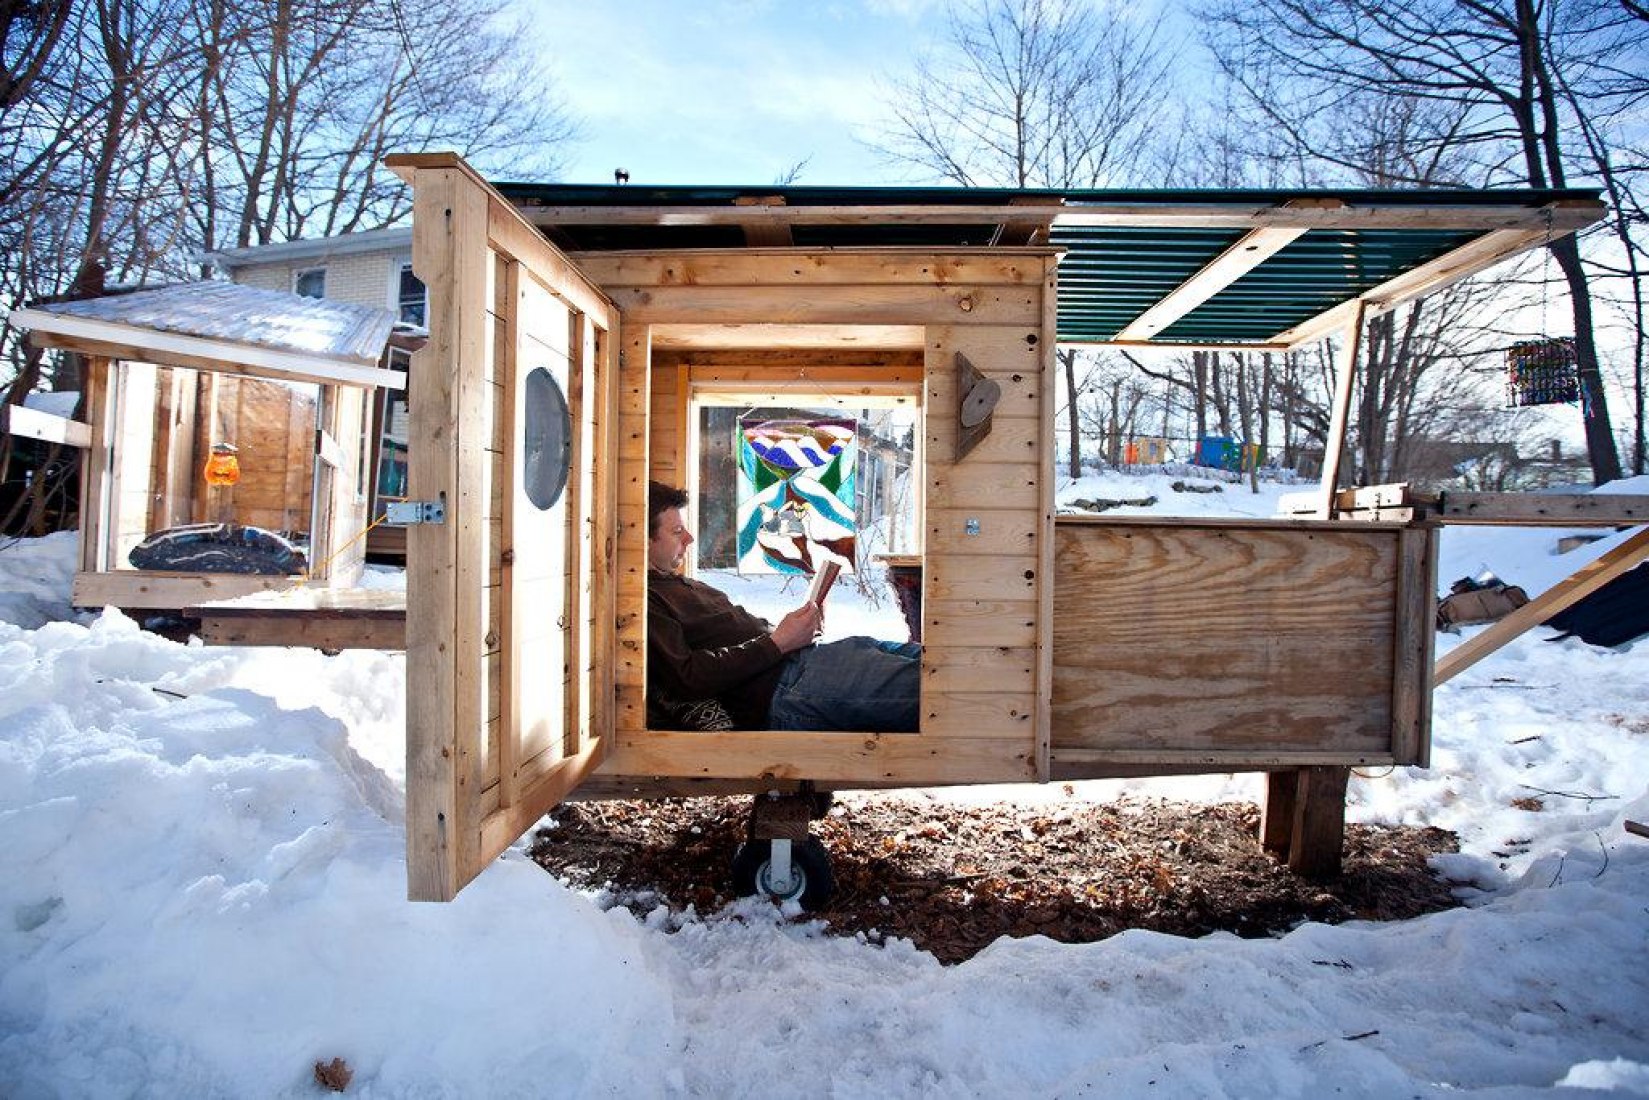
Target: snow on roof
(244, 315)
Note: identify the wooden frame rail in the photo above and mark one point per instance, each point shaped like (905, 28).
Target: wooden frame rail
(1399, 504)
(1565, 593)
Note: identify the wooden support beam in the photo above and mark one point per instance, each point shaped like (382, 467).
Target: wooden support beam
(1416, 635)
(1543, 509)
(741, 336)
(1565, 218)
(1398, 503)
(1565, 593)
(1336, 441)
(1248, 252)
(1277, 815)
(329, 450)
(764, 234)
(20, 420)
(328, 619)
(747, 216)
(1315, 849)
(1045, 539)
(1451, 267)
(168, 590)
(1389, 503)
(90, 336)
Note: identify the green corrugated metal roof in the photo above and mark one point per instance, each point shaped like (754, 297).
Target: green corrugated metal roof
(1124, 251)
(1111, 276)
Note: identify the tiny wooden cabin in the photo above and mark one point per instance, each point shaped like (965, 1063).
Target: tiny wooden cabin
(576, 331)
(225, 425)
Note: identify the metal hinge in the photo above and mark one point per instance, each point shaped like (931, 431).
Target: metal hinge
(411, 513)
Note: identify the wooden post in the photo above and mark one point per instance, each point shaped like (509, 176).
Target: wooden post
(1336, 441)
(1277, 816)
(95, 466)
(1319, 822)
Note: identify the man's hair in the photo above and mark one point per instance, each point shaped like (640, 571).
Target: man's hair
(660, 499)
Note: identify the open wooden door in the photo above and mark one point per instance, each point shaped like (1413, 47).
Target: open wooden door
(510, 574)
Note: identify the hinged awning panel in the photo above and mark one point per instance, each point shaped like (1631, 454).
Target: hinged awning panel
(226, 327)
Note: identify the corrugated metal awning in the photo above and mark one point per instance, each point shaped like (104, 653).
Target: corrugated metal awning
(224, 326)
(1169, 268)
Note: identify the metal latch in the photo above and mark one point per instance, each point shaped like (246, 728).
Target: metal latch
(411, 513)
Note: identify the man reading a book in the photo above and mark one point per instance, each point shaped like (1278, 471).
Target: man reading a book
(701, 646)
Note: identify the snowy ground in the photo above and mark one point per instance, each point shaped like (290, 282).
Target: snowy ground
(201, 886)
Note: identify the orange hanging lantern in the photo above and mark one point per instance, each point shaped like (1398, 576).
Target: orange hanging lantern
(222, 468)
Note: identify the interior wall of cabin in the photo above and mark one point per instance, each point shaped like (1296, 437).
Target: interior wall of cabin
(170, 419)
(162, 423)
(692, 386)
(987, 527)
(272, 426)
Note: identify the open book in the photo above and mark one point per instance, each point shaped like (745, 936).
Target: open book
(823, 578)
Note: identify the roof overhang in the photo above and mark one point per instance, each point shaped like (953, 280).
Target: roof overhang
(314, 249)
(224, 328)
(1247, 269)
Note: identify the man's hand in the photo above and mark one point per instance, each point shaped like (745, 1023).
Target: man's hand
(799, 628)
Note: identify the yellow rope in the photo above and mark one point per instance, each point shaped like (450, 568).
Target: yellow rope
(308, 574)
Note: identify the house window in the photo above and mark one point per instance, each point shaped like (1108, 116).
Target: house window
(410, 298)
(310, 284)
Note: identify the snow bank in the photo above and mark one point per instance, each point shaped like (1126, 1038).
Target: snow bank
(205, 895)
(202, 883)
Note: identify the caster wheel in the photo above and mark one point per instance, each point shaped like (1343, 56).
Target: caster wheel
(810, 882)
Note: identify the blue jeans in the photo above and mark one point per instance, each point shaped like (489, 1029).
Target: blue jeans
(860, 685)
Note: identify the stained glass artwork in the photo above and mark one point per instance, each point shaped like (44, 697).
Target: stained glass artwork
(1543, 372)
(796, 493)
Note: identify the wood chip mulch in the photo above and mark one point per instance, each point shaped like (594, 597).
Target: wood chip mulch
(953, 878)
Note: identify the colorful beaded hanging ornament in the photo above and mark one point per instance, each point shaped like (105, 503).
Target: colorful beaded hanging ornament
(1543, 372)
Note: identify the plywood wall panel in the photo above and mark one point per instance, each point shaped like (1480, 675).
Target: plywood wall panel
(1271, 638)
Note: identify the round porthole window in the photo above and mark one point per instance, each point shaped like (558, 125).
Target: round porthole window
(547, 447)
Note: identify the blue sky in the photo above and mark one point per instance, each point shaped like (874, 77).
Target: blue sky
(729, 91)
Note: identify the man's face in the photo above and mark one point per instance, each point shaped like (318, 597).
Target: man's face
(668, 547)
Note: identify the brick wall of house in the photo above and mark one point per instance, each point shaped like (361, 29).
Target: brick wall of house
(365, 279)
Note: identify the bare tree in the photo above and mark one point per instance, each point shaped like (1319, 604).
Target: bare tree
(138, 133)
(299, 102)
(1067, 358)
(135, 134)
(1033, 93)
(1495, 69)
(30, 38)
(1621, 165)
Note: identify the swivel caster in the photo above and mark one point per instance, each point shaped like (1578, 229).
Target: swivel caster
(781, 860)
(785, 870)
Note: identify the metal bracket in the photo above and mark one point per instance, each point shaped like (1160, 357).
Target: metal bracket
(413, 513)
(779, 870)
